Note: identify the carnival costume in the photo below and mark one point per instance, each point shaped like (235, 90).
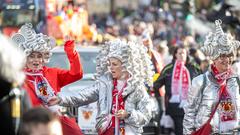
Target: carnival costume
(204, 95)
(132, 95)
(47, 82)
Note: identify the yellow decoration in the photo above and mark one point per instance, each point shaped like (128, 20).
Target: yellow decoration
(15, 106)
(155, 77)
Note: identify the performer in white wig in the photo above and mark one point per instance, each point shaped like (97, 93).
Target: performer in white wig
(218, 85)
(124, 105)
(43, 82)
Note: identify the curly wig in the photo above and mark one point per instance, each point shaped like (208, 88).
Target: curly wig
(219, 43)
(28, 40)
(134, 58)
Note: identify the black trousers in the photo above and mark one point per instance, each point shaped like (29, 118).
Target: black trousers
(178, 123)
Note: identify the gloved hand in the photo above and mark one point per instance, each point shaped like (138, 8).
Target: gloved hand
(69, 47)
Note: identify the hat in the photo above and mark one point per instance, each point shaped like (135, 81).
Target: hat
(219, 43)
(27, 39)
(134, 57)
(117, 49)
(51, 42)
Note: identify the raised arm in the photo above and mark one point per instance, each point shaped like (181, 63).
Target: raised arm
(75, 72)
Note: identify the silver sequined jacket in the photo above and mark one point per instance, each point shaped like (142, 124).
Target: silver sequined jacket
(201, 101)
(137, 103)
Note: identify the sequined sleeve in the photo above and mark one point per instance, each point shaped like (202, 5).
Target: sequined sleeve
(80, 97)
(193, 102)
(142, 114)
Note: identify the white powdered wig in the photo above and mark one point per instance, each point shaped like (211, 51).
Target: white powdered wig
(219, 43)
(12, 61)
(27, 39)
(134, 58)
(51, 42)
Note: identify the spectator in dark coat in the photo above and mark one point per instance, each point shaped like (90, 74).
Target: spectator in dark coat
(176, 77)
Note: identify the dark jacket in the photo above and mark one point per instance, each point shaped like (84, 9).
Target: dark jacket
(165, 78)
(8, 124)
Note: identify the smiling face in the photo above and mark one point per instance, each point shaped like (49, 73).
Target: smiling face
(224, 62)
(116, 68)
(35, 61)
